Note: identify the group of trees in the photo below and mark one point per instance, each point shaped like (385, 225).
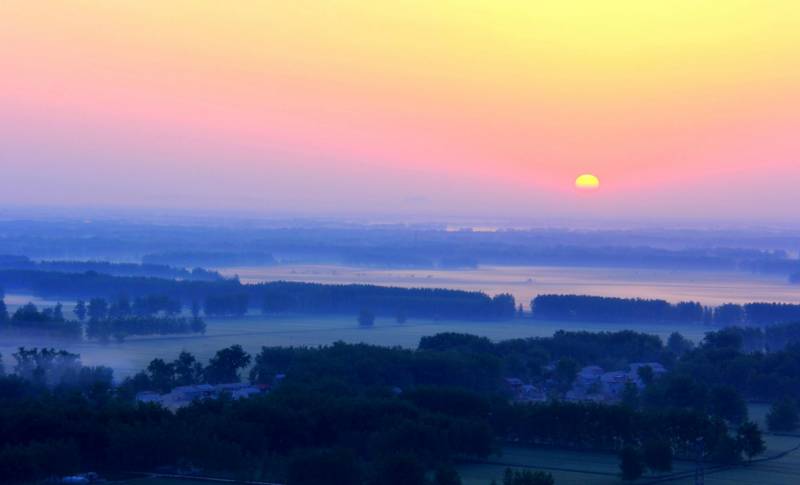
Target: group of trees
(658, 435)
(47, 368)
(529, 358)
(8, 262)
(162, 376)
(638, 310)
(363, 414)
(299, 435)
(103, 320)
(49, 321)
(231, 297)
(722, 360)
(122, 307)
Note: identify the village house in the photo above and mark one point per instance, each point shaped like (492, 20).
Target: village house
(184, 395)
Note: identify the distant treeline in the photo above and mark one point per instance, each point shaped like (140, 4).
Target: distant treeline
(9, 262)
(639, 310)
(48, 322)
(458, 253)
(117, 320)
(772, 338)
(231, 297)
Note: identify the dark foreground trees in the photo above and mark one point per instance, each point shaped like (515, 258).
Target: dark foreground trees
(783, 416)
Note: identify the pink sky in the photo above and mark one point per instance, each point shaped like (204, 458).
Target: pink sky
(350, 107)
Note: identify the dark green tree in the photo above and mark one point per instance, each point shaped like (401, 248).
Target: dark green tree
(398, 469)
(728, 404)
(323, 467)
(226, 364)
(526, 477)
(645, 373)
(188, 370)
(678, 344)
(446, 475)
(783, 416)
(162, 375)
(98, 309)
(3, 312)
(630, 396)
(750, 439)
(631, 464)
(80, 310)
(657, 455)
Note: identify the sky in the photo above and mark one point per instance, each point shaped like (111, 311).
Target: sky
(682, 109)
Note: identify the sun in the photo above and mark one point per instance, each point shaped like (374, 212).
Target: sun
(587, 181)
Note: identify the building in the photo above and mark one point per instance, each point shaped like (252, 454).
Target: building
(184, 395)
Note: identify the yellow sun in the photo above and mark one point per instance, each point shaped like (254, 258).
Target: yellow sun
(587, 181)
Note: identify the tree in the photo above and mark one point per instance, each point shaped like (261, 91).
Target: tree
(80, 310)
(187, 370)
(678, 344)
(728, 404)
(566, 371)
(98, 309)
(366, 318)
(58, 313)
(398, 469)
(783, 416)
(120, 308)
(323, 467)
(3, 312)
(446, 475)
(727, 450)
(645, 373)
(750, 439)
(630, 395)
(225, 365)
(526, 477)
(657, 456)
(630, 463)
(162, 375)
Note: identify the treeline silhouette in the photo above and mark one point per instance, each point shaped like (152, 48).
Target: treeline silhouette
(47, 322)
(231, 297)
(10, 262)
(341, 414)
(102, 320)
(638, 310)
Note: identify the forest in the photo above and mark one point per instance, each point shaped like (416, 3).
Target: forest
(359, 414)
(638, 310)
(231, 297)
